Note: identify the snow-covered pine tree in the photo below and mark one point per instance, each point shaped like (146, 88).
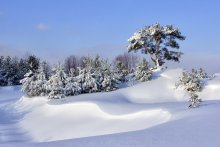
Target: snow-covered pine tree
(40, 82)
(23, 69)
(156, 40)
(88, 82)
(193, 83)
(121, 71)
(57, 82)
(96, 76)
(3, 79)
(33, 63)
(72, 86)
(107, 78)
(143, 71)
(12, 72)
(87, 76)
(46, 69)
(8, 71)
(34, 84)
(28, 84)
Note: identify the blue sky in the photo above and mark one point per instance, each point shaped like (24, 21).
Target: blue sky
(54, 29)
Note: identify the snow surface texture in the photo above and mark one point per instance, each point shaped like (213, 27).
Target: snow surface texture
(152, 113)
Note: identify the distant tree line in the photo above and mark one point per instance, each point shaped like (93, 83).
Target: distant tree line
(13, 69)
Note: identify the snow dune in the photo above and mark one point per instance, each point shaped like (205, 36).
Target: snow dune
(211, 90)
(160, 89)
(152, 113)
(82, 119)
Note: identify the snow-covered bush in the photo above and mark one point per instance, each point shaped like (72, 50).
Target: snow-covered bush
(57, 82)
(143, 71)
(193, 83)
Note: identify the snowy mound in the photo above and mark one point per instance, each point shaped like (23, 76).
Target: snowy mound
(160, 89)
(212, 89)
(48, 122)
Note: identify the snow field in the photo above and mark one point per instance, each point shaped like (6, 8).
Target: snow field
(152, 113)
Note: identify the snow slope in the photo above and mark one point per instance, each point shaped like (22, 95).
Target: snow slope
(147, 114)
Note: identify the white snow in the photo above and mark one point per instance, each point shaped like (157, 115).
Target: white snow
(152, 113)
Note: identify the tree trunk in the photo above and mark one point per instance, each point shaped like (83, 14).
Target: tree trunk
(156, 61)
(157, 53)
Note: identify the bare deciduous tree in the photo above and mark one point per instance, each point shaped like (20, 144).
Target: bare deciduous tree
(129, 60)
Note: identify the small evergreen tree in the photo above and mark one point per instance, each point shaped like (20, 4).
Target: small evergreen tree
(40, 82)
(87, 81)
(143, 72)
(121, 71)
(3, 79)
(193, 83)
(87, 76)
(33, 63)
(57, 82)
(72, 86)
(34, 84)
(46, 69)
(107, 78)
(23, 69)
(28, 85)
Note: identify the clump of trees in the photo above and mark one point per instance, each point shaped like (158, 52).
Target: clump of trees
(13, 69)
(193, 83)
(157, 40)
(93, 74)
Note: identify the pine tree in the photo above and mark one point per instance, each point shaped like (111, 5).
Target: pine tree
(57, 82)
(33, 63)
(40, 82)
(34, 84)
(46, 69)
(88, 82)
(13, 68)
(143, 72)
(193, 83)
(121, 71)
(156, 40)
(96, 75)
(3, 79)
(72, 86)
(28, 85)
(107, 78)
(87, 76)
(22, 69)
